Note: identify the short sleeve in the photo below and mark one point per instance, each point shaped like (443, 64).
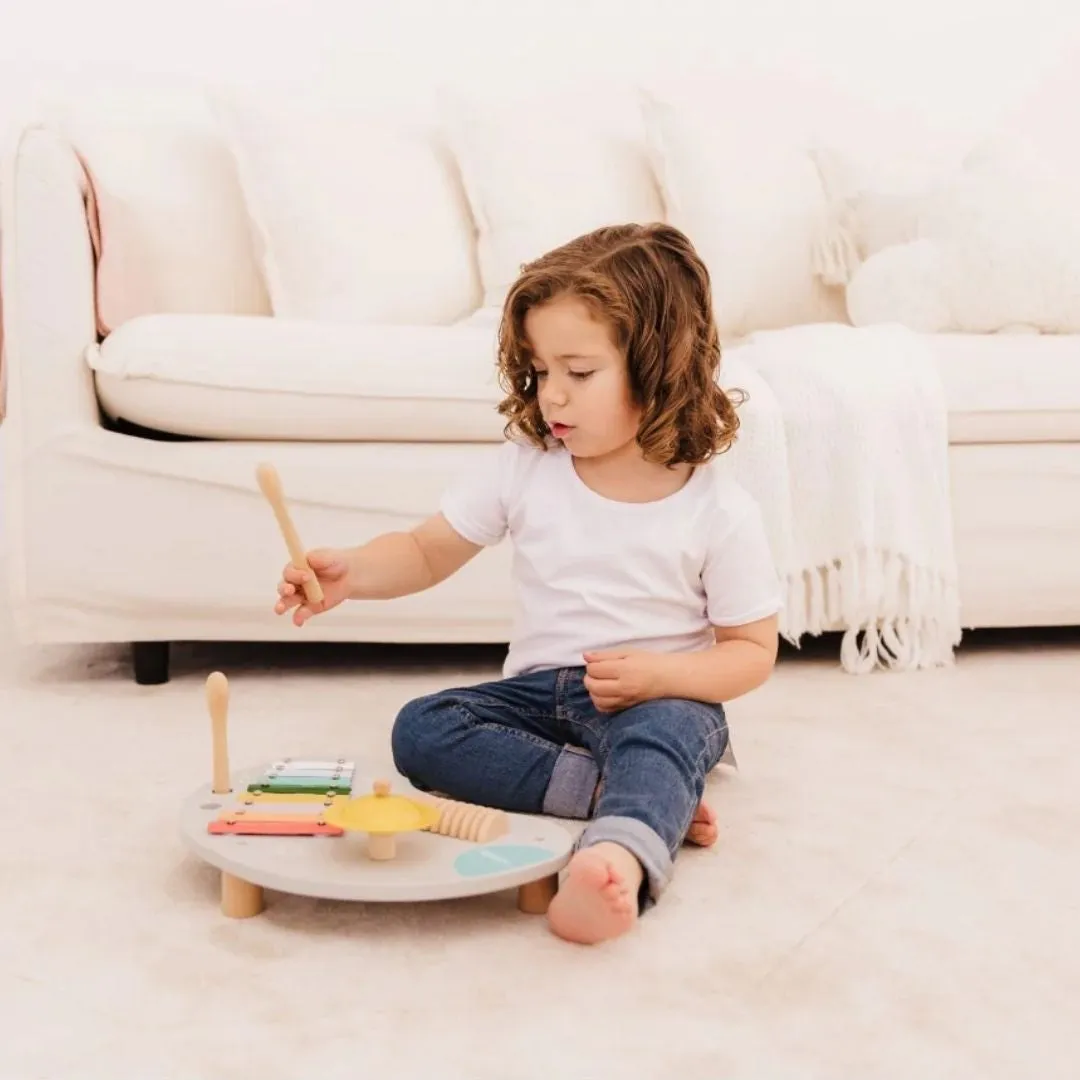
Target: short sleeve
(475, 504)
(739, 576)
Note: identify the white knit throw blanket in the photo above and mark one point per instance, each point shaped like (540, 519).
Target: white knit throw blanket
(844, 443)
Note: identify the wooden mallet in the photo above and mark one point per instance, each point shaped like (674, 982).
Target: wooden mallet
(270, 484)
(217, 700)
(239, 899)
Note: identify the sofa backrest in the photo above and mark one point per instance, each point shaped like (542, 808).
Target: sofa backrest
(333, 210)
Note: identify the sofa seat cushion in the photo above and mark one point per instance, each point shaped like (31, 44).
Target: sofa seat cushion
(1010, 388)
(250, 377)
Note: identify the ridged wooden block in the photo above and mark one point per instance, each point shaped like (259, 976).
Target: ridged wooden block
(467, 821)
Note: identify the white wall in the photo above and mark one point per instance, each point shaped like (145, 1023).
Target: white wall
(964, 62)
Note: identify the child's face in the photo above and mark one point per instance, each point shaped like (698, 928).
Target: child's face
(583, 382)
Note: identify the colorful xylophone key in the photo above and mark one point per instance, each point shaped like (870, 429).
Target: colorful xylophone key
(306, 776)
(289, 799)
(241, 826)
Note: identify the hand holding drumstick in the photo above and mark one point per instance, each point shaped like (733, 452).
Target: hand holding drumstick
(389, 565)
(328, 571)
(312, 582)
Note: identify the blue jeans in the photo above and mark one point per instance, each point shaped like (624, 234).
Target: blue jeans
(536, 744)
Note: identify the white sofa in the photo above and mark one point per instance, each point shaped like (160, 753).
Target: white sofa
(131, 507)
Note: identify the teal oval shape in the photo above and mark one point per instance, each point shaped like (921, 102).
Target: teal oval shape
(499, 858)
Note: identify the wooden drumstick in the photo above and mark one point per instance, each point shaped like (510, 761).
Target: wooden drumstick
(270, 484)
(217, 698)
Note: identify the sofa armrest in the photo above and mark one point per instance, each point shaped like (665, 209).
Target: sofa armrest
(47, 276)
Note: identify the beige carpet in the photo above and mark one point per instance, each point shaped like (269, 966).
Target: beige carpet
(895, 893)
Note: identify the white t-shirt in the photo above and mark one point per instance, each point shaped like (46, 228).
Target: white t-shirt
(592, 573)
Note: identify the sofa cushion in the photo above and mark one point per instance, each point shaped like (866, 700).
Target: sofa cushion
(236, 377)
(1003, 388)
(754, 207)
(170, 216)
(536, 183)
(360, 217)
(997, 245)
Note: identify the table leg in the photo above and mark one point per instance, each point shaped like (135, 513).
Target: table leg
(240, 899)
(534, 897)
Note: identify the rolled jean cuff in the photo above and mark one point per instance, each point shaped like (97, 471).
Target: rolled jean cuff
(643, 843)
(573, 784)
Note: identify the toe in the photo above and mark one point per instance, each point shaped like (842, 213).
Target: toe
(593, 869)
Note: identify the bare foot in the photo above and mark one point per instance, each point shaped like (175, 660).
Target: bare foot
(597, 899)
(703, 830)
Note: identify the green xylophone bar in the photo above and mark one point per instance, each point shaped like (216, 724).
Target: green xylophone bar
(297, 785)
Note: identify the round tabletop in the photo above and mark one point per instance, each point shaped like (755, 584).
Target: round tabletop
(426, 866)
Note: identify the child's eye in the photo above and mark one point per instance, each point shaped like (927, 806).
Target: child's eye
(540, 374)
(580, 375)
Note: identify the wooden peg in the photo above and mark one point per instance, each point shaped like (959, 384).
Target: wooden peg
(270, 485)
(217, 699)
(240, 899)
(381, 846)
(534, 898)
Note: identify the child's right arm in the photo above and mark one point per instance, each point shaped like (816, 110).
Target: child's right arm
(391, 565)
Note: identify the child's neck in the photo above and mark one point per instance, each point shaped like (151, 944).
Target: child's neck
(625, 476)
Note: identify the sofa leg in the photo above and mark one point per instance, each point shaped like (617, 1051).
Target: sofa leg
(151, 660)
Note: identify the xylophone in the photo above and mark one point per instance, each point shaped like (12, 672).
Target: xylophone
(289, 799)
(312, 796)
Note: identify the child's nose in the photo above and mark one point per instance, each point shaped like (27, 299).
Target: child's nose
(554, 393)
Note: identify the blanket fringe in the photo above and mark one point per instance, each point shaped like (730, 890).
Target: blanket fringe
(873, 597)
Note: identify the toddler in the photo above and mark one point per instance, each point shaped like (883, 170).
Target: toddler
(646, 596)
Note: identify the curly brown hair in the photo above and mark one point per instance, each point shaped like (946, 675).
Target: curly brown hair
(649, 283)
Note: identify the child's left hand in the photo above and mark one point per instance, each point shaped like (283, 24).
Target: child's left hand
(619, 678)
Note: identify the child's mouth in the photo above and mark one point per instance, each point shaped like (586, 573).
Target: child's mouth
(560, 431)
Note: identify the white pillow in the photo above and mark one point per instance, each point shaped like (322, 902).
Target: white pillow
(753, 205)
(877, 178)
(904, 284)
(998, 248)
(174, 230)
(360, 219)
(542, 170)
